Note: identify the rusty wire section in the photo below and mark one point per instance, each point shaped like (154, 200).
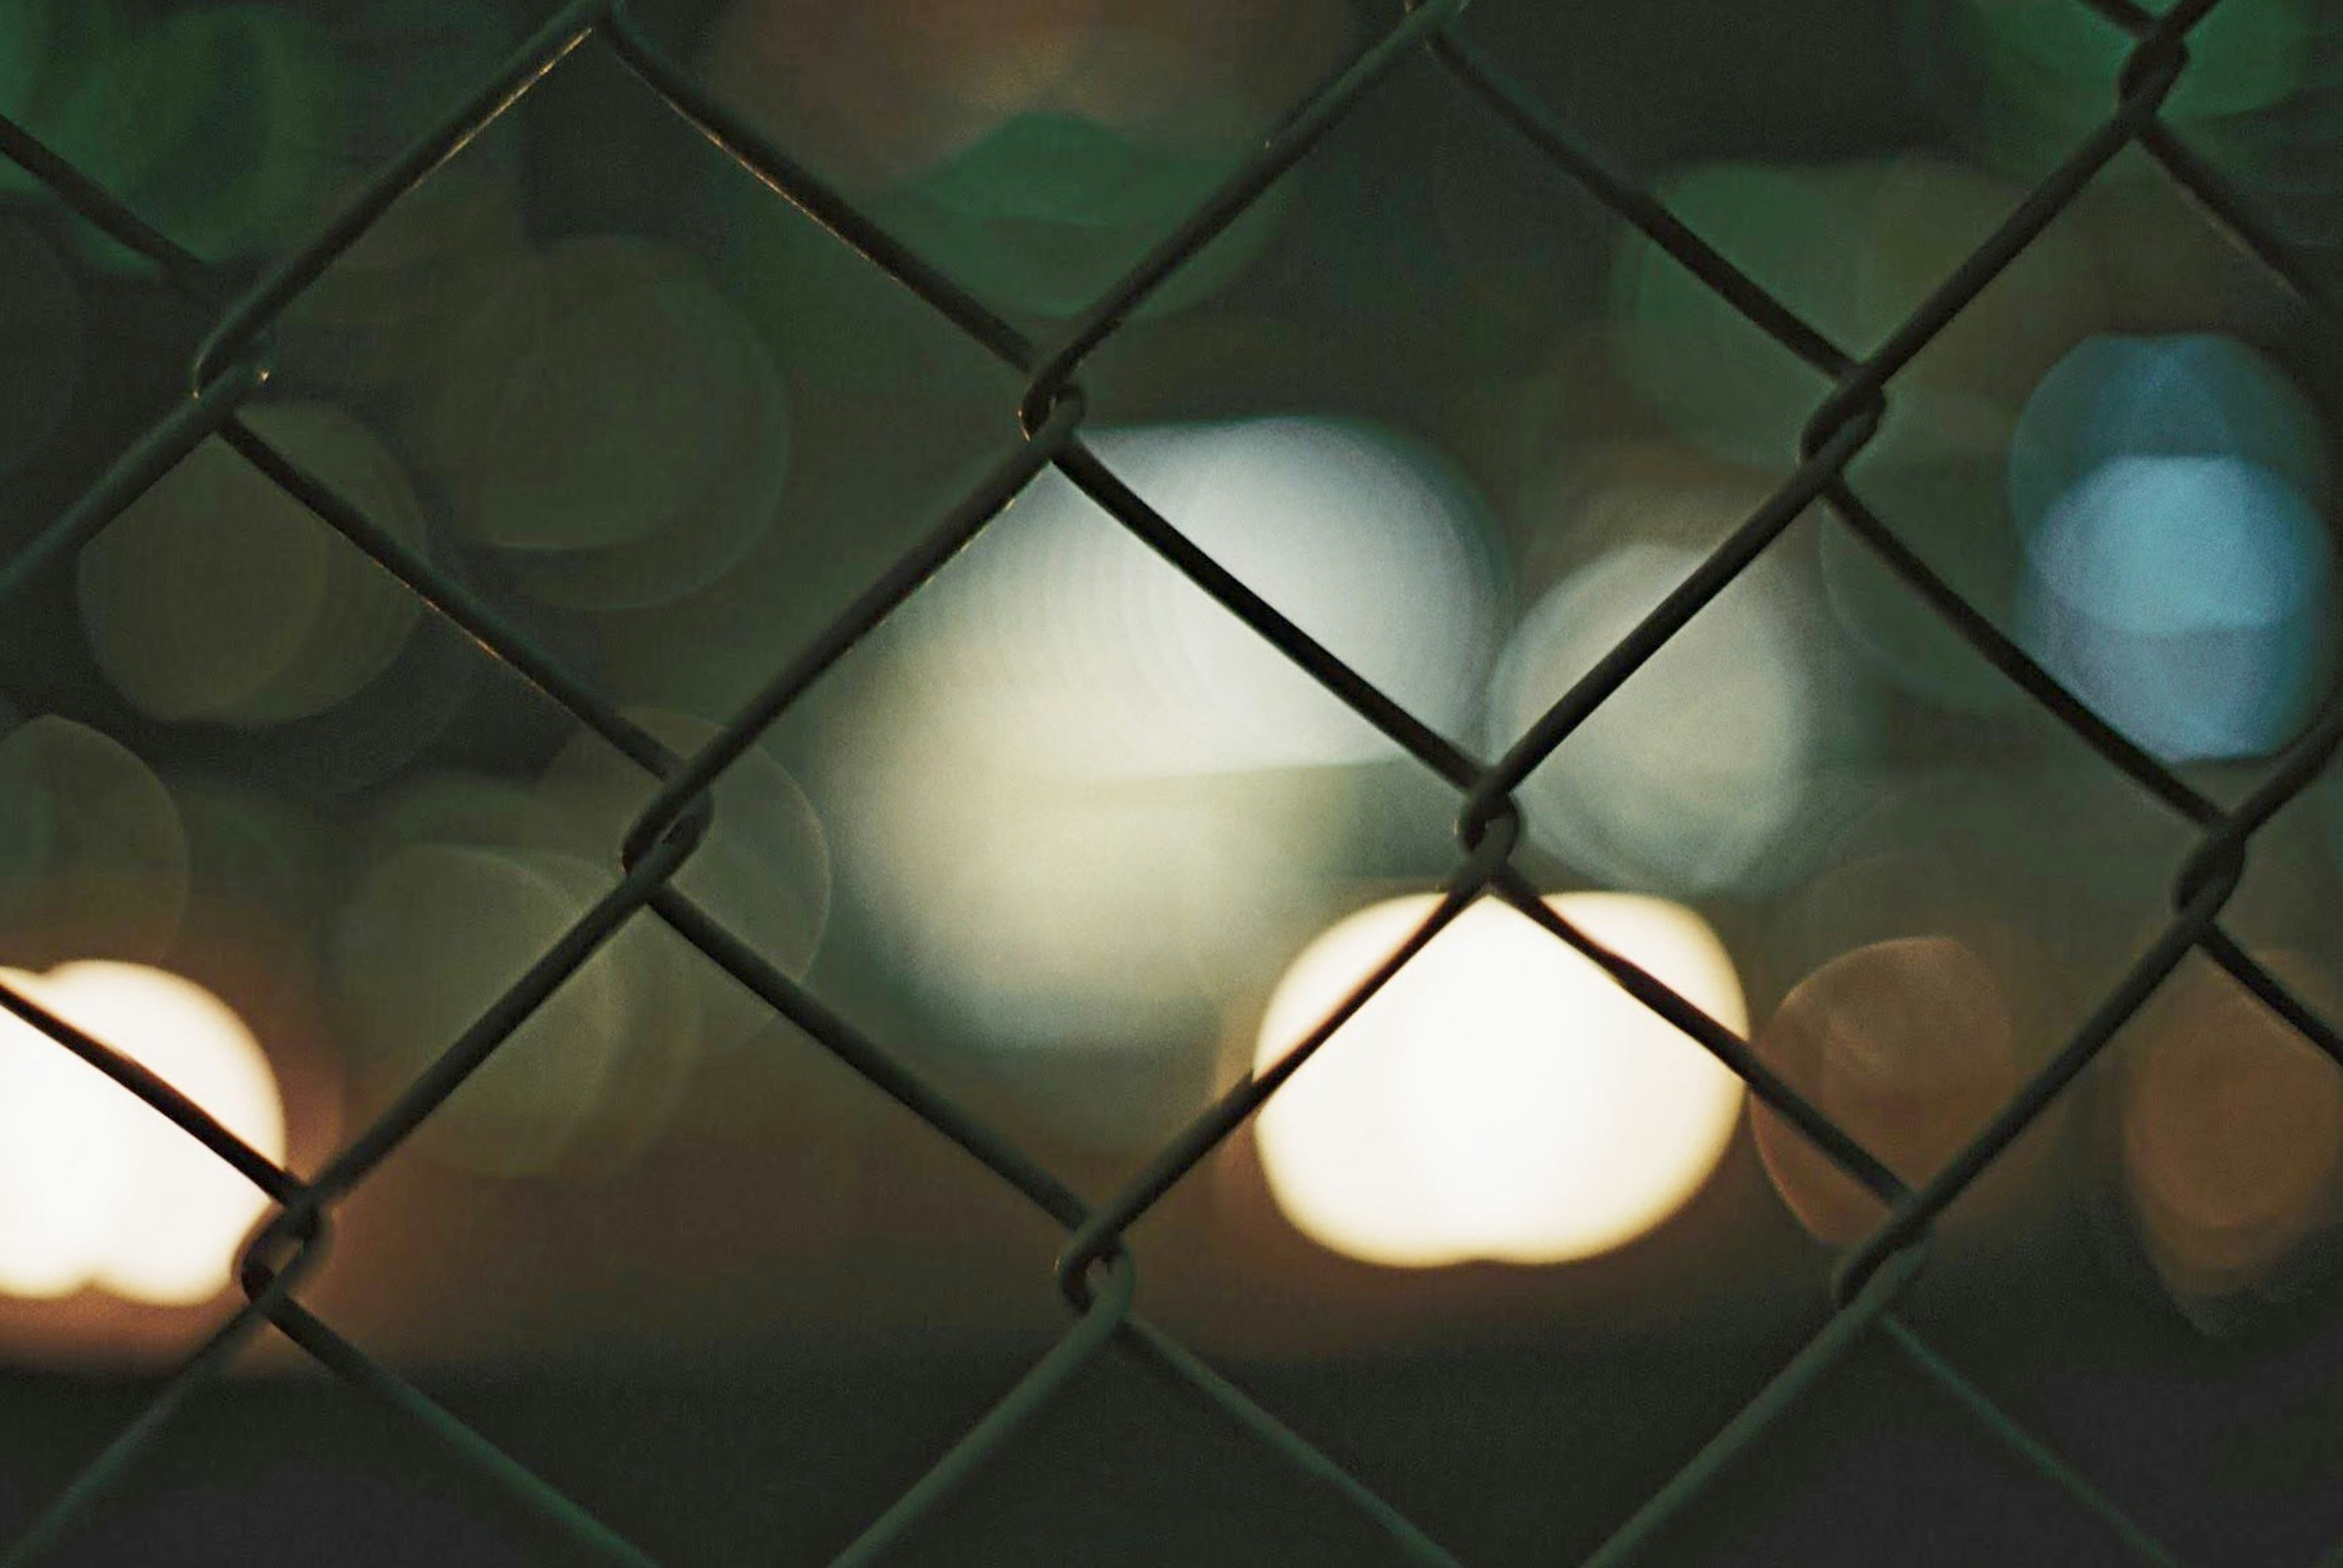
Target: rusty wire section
(1094, 1272)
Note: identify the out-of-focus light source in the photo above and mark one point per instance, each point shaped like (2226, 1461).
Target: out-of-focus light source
(1088, 805)
(1500, 1098)
(2190, 601)
(2035, 70)
(2189, 395)
(1035, 150)
(96, 1188)
(2232, 1137)
(136, 104)
(1074, 648)
(218, 597)
(93, 854)
(1709, 768)
(1906, 1044)
(608, 422)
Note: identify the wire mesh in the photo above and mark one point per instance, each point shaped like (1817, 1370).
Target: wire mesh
(1095, 1272)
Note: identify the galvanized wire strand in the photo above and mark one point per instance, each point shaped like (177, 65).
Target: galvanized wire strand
(1670, 615)
(1994, 648)
(580, 1530)
(1838, 1334)
(1931, 1198)
(797, 185)
(1713, 1037)
(2234, 219)
(471, 1049)
(276, 288)
(1099, 1235)
(1155, 1349)
(459, 606)
(1089, 1335)
(1519, 112)
(2036, 1455)
(882, 597)
(1180, 1366)
(105, 1470)
(157, 1095)
(186, 272)
(1127, 507)
(134, 473)
(232, 364)
(1285, 148)
(874, 1065)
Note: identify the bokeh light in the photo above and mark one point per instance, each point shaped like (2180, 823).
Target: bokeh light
(2232, 1135)
(1906, 1045)
(2033, 79)
(1500, 1098)
(1074, 648)
(1034, 152)
(433, 933)
(763, 870)
(1713, 767)
(470, 878)
(93, 855)
(2187, 395)
(95, 1187)
(607, 422)
(137, 107)
(218, 597)
(2189, 601)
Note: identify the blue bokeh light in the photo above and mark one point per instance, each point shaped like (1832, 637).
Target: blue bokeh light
(2188, 600)
(2191, 395)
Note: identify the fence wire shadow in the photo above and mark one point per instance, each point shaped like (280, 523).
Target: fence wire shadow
(1095, 1273)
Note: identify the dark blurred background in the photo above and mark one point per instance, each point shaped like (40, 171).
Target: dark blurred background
(1055, 833)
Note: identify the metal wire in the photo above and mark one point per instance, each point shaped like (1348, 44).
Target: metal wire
(1096, 1271)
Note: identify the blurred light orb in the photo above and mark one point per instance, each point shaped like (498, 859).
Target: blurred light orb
(2189, 601)
(2043, 74)
(1904, 1043)
(1706, 769)
(97, 1188)
(93, 857)
(609, 423)
(216, 124)
(2187, 395)
(1035, 150)
(1042, 911)
(1074, 648)
(1500, 1098)
(218, 597)
(588, 1075)
(2232, 1134)
(763, 869)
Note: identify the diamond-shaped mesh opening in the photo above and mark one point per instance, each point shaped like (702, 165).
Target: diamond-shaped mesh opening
(991, 258)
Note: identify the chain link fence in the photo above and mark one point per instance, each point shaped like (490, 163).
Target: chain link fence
(1096, 1274)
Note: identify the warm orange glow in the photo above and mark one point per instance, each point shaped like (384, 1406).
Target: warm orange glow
(96, 1188)
(1500, 1098)
(2232, 1133)
(1906, 1044)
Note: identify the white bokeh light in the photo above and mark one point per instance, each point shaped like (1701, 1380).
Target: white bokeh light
(96, 1188)
(1500, 1098)
(1069, 644)
(1703, 771)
